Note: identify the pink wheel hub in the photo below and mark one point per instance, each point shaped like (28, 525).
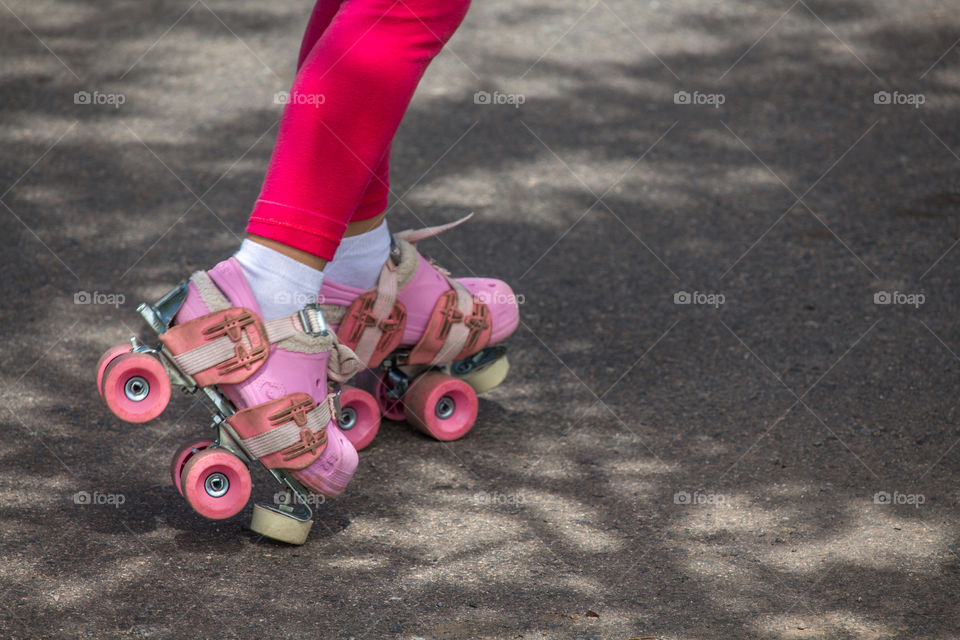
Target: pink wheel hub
(136, 387)
(359, 416)
(441, 406)
(216, 483)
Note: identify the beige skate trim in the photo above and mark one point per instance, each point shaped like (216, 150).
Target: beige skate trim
(289, 433)
(333, 313)
(209, 292)
(408, 262)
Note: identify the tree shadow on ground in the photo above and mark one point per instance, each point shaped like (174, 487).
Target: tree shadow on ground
(651, 468)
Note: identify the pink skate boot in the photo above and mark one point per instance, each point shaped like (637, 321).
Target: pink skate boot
(268, 385)
(432, 342)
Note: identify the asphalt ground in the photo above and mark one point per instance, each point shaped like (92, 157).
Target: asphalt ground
(776, 459)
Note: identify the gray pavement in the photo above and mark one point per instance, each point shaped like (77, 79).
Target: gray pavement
(776, 459)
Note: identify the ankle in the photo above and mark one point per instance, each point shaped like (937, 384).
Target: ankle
(363, 226)
(312, 261)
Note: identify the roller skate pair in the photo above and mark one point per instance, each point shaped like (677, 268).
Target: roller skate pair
(274, 387)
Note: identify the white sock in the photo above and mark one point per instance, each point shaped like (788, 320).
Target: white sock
(281, 285)
(360, 258)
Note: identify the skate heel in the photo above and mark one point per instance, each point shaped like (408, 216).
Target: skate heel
(484, 370)
(276, 523)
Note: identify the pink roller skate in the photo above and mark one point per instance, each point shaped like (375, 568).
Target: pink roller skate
(267, 382)
(431, 343)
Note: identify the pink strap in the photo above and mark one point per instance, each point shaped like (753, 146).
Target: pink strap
(287, 434)
(459, 332)
(414, 236)
(387, 291)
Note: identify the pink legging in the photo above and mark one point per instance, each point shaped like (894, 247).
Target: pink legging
(360, 63)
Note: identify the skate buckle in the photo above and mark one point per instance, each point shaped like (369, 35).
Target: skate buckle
(243, 359)
(297, 412)
(310, 324)
(395, 255)
(309, 443)
(230, 327)
(449, 314)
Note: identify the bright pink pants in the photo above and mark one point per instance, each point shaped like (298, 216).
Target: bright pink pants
(360, 63)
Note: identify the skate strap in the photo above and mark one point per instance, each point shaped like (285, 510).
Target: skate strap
(459, 326)
(375, 322)
(229, 344)
(456, 318)
(459, 331)
(222, 347)
(289, 432)
(209, 291)
(308, 320)
(233, 337)
(414, 236)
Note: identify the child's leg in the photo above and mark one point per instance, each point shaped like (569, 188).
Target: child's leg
(321, 17)
(375, 198)
(363, 69)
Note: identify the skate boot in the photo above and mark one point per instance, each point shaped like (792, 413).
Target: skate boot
(267, 383)
(431, 343)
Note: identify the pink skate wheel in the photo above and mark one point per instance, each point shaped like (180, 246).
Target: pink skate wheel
(106, 359)
(441, 406)
(216, 483)
(182, 456)
(359, 416)
(391, 408)
(136, 387)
